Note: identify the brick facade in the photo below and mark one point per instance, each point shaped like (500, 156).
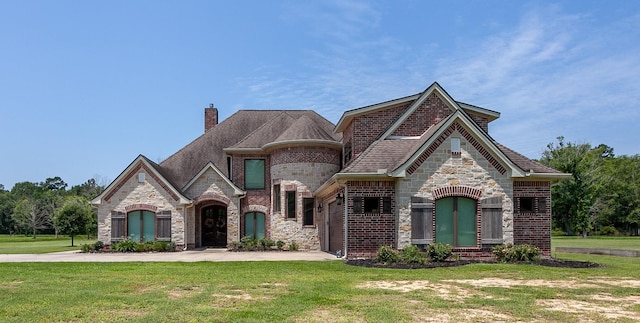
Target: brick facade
(366, 232)
(431, 111)
(533, 227)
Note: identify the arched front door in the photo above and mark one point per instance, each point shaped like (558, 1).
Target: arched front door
(214, 226)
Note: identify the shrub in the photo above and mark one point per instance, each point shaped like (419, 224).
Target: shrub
(279, 244)
(266, 244)
(387, 255)
(86, 248)
(413, 255)
(248, 243)
(293, 246)
(511, 253)
(439, 252)
(233, 246)
(607, 231)
(163, 246)
(125, 246)
(98, 245)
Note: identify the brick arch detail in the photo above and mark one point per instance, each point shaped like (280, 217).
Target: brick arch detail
(213, 197)
(141, 207)
(464, 191)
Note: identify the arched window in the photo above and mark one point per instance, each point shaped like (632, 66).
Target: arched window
(254, 225)
(456, 221)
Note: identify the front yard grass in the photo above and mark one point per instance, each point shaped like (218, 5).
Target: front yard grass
(43, 243)
(318, 292)
(602, 242)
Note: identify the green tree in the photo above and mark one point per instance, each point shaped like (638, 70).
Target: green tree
(27, 216)
(7, 203)
(573, 199)
(72, 218)
(618, 191)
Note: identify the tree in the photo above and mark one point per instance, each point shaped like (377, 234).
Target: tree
(27, 216)
(573, 199)
(72, 218)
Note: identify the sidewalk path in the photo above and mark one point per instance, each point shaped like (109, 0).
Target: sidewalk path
(182, 256)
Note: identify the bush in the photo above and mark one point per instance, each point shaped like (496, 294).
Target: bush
(248, 243)
(125, 246)
(280, 244)
(293, 246)
(266, 244)
(607, 231)
(413, 255)
(98, 245)
(439, 252)
(511, 253)
(86, 248)
(387, 255)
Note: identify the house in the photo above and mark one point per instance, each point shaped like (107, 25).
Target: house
(414, 170)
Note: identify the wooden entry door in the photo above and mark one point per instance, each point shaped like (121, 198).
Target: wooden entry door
(214, 226)
(336, 227)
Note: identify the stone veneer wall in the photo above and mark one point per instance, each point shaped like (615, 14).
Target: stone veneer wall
(210, 183)
(150, 192)
(304, 178)
(533, 227)
(443, 169)
(367, 232)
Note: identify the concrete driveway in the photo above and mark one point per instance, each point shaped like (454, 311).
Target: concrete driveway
(184, 256)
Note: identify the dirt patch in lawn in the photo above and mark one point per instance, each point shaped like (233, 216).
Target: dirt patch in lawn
(508, 283)
(178, 293)
(446, 291)
(586, 310)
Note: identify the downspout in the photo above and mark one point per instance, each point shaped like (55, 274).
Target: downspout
(240, 214)
(346, 219)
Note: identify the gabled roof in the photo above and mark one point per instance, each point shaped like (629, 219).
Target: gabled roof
(245, 127)
(154, 170)
(415, 101)
(236, 190)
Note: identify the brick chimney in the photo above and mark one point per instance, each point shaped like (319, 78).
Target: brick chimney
(210, 117)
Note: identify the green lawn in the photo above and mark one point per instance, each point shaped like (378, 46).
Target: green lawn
(317, 292)
(627, 243)
(41, 244)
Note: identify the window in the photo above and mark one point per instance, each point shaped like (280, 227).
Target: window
(455, 146)
(421, 221)
(163, 226)
(371, 205)
(492, 220)
(254, 174)
(307, 217)
(291, 204)
(386, 204)
(456, 221)
(347, 152)
(230, 168)
(526, 204)
(542, 205)
(276, 198)
(118, 226)
(254, 225)
(141, 226)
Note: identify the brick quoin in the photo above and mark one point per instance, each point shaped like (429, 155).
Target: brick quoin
(533, 227)
(367, 232)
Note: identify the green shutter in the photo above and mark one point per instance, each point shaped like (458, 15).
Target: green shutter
(444, 220)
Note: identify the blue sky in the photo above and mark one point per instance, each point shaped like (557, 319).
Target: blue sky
(87, 86)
